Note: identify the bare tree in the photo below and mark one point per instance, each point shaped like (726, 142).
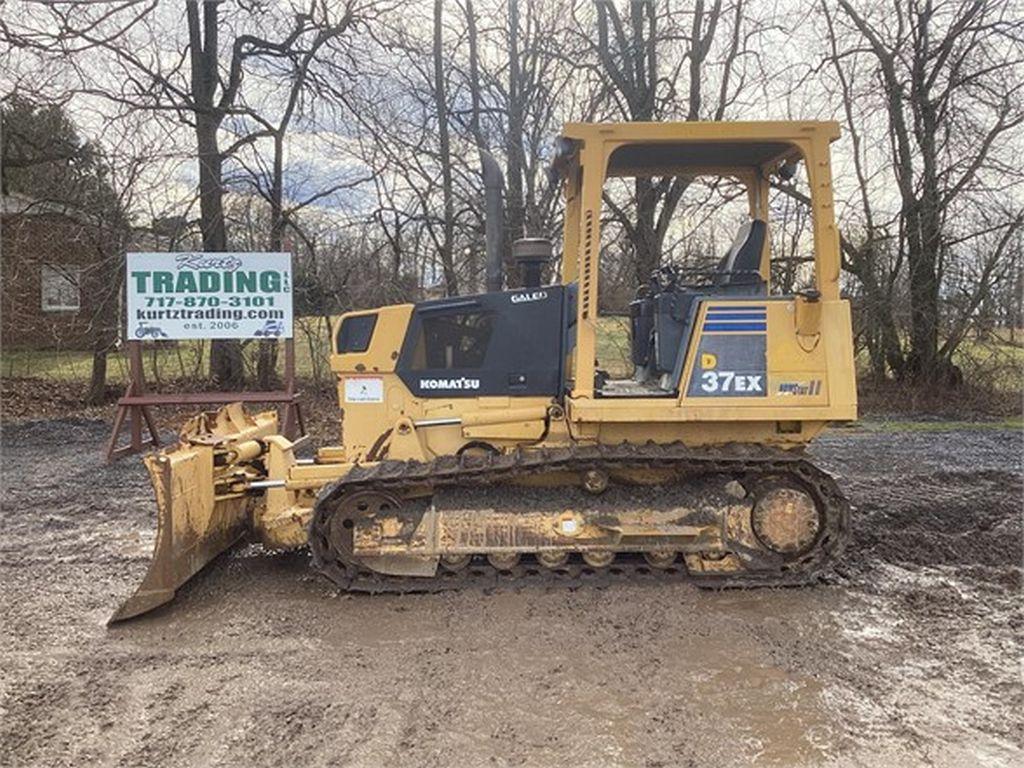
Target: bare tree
(116, 52)
(630, 50)
(515, 218)
(444, 155)
(950, 93)
(294, 68)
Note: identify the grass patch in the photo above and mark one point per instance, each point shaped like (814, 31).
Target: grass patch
(46, 364)
(167, 360)
(614, 350)
(993, 362)
(939, 425)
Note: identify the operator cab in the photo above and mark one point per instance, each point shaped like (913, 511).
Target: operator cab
(674, 196)
(515, 342)
(690, 314)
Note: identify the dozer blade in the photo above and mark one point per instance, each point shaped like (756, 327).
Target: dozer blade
(202, 508)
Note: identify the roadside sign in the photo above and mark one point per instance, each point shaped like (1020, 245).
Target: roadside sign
(199, 295)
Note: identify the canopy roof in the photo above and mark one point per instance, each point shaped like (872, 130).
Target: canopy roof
(640, 159)
(673, 147)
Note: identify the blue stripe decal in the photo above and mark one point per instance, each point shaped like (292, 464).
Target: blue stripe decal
(738, 309)
(737, 316)
(735, 326)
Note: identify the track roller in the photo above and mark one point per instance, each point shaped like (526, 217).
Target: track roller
(600, 559)
(503, 561)
(455, 562)
(552, 560)
(661, 559)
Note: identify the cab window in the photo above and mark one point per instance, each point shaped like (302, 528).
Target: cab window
(355, 333)
(452, 341)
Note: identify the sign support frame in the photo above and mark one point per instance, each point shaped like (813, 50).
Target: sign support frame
(136, 403)
(136, 414)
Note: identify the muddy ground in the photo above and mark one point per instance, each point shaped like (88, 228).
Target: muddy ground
(910, 655)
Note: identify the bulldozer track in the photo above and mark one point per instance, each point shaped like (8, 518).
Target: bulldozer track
(399, 478)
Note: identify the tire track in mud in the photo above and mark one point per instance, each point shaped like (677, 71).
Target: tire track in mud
(936, 556)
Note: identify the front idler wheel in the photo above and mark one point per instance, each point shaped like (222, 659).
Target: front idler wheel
(351, 510)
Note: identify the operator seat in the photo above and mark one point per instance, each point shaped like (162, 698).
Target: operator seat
(740, 264)
(661, 319)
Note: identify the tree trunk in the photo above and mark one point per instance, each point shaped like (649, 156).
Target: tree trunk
(924, 361)
(266, 359)
(514, 213)
(226, 364)
(97, 394)
(211, 196)
(107, 288)
(440, 101)
(645, 242)
(474, 125)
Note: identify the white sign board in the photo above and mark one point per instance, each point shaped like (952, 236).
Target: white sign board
(209, 296)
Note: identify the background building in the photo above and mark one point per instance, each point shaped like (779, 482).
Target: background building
(57, 269)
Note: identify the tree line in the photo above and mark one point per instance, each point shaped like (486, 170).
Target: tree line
(351, 133)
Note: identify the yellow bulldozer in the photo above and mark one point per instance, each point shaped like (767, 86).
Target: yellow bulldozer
(482, 441)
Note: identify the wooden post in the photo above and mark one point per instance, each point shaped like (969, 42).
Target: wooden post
(136, 414)
(292, 412)
(136, 387)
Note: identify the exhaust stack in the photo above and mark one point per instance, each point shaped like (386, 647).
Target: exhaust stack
(494, 219)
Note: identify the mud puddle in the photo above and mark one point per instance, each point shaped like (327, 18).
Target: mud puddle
(908, 656)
